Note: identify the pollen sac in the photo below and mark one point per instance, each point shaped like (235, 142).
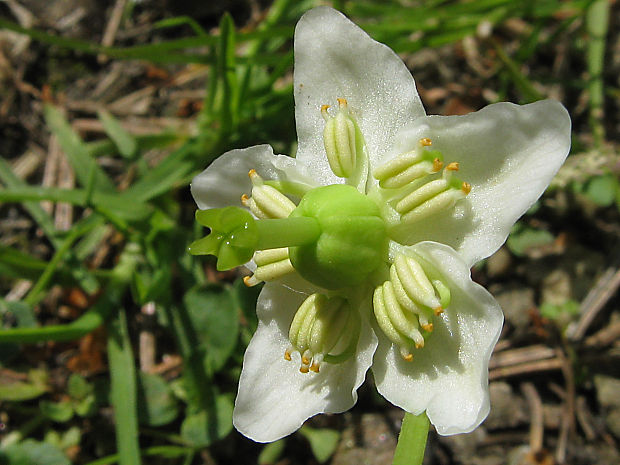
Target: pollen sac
(410, 166)
(270, 264)
(266, 201)
(322, 325)
(341, 140)
(432, 197)
(404, 306)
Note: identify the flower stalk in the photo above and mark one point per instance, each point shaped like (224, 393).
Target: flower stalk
(412, 440)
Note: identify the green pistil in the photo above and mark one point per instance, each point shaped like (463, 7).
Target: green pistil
(286, 232)
(236, 235)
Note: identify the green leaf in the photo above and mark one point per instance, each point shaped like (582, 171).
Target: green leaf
(201, 429)
(71, 437)
(215, 320)
(157, 404)
(569, 309)
(127, 144)
(523, 238)
(83, 395)
(19, 391)
(78, 388)
(31, 452)
(271, 452)
(602, 190)
(21, 312)
(323, 442)
(56, 411)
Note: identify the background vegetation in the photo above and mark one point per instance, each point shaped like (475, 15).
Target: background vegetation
(119, 347)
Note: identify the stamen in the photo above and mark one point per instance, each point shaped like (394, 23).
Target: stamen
(408, 167)
(339, 139)
(266, 202)
(265, 257)
(306, 357)
(271, 264)
(273, 271)
(324, 109)
(433, 197)
(445, 296)
(406, 355)
(409, 294)
(254, 177)
(384, 321)
(287, 354)
(251, 281)
(320, 325)
(405, 323)
(421, 195)
(425, 142)
(415, 282)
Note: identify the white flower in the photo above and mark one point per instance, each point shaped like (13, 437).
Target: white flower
(435, 228)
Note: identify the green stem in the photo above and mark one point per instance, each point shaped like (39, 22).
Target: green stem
(287, 232)
(597, 24)
(412, 440)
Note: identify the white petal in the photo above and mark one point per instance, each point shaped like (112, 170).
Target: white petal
(336, 59)
(508, 153)
(226, 179)
(449, 376)
(274, 398)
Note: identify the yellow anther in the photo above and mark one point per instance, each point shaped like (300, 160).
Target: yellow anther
(437, 165)
(426, 142)
(250, 281)
(428, 327)
(314, 367)
(252, 173)
(304, 369)
(419, 345)
(244, 199)
(454, 166)
(287, 355)
(324, 109)
(408, 358)
(305, 360)
(466, 188)
(342, 102)
(438, 310)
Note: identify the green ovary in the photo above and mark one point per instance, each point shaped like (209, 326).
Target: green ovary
(353, 240)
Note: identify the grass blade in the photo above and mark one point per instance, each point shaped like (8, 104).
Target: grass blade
(77, 153)
(597, 23)
(125, 142)
(123, 390)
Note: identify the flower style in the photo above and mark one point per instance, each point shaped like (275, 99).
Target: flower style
(365, 240)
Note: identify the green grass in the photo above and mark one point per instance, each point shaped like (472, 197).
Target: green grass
(248, 101)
